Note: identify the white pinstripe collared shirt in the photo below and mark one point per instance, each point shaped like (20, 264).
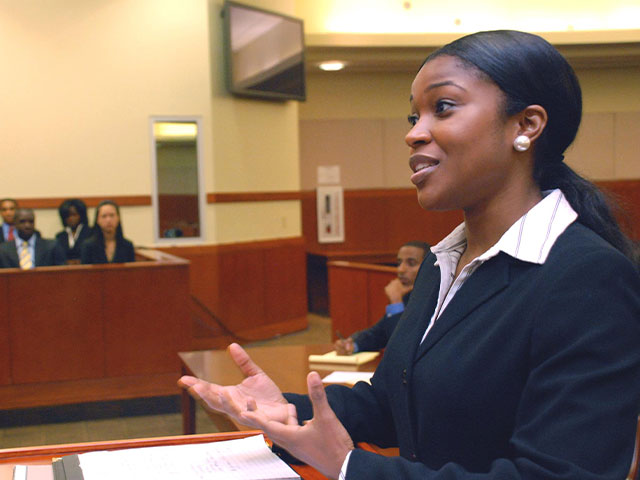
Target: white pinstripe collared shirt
(529, 239)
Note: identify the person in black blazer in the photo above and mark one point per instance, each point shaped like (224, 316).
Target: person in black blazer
(46, 252)
(73, 214)
(107, 243)
(398, 291)
(517, 356)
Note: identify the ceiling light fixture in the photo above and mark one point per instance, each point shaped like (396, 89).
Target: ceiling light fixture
(332, 66)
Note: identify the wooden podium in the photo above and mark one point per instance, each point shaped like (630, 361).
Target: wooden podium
(43, 455)
(83, 333)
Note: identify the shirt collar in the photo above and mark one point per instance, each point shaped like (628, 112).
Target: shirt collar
(31, 242)
(530, 238)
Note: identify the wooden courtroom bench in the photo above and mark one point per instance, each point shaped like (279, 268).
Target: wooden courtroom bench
(318, 271)
(356, 294)
(83, 333)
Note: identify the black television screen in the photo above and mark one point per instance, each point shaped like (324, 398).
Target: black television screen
(264, 53)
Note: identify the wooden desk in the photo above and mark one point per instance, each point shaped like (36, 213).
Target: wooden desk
(43, 455)
(287, 366)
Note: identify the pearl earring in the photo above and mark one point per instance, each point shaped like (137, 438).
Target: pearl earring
(522, 143)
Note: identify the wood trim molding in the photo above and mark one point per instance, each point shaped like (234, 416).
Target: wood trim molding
(54, 202)
(234, 197)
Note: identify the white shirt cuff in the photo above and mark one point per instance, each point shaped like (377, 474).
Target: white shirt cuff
(343, 470)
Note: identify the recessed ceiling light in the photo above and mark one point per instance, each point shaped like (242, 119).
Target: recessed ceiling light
(332, 66)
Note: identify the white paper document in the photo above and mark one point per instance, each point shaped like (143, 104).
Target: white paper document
(348, 378)
(245, 459)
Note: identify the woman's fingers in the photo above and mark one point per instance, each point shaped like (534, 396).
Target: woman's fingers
(209, 393)
(321, 408)
(243, 360)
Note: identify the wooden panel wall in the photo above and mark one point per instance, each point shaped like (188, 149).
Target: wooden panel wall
(84, 333)
(627, 194)
(254, 290)
(383, 219)
(5, 347)
(379, 220)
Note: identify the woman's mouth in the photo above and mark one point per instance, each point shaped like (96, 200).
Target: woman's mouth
(422, 166)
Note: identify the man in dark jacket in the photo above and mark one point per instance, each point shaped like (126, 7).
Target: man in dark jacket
(29, 250)
(398, 290)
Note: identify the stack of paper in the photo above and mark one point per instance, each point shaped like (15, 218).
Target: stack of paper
(245, 459)
(333, 357)
(348, 378)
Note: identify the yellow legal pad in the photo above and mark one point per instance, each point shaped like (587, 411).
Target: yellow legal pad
(333, 357)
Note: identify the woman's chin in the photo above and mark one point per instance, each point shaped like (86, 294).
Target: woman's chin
(429, 201)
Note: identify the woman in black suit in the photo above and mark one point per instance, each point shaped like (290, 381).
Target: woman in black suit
(73, 214)
(517, 355)
(107, 243)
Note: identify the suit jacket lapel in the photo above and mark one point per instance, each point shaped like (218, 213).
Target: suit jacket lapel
(14, 254)
(489, 279)
(422, 302)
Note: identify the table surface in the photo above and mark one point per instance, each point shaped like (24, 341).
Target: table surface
(287, 365)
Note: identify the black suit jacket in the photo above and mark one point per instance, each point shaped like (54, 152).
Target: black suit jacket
(531, 372)
(92, 251)
(47, 253)
(63, 240)
(376, 337)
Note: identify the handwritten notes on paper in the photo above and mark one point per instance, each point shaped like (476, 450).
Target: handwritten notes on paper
(245, 459)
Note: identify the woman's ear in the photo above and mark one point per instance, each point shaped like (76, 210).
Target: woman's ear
(532, 121)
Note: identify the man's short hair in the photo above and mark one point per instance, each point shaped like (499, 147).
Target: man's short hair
(21, 210)
(426, 248)
(12, 200)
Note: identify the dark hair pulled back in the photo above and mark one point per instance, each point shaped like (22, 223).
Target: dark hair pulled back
(530, 71)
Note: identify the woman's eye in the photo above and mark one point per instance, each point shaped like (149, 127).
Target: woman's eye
(413, 119)
(443, 105)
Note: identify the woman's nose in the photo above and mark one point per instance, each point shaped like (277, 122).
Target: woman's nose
(419, 134)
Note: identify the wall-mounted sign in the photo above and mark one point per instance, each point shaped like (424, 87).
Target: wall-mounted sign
(330, 211)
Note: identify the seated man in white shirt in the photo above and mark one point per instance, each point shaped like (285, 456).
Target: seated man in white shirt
(398, 290)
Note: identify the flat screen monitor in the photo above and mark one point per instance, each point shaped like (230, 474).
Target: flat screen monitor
(264, 53)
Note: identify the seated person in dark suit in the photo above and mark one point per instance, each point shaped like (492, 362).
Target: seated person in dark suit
(398, 290)
(73, 214)
(29, 250)
(8, 211)
(107, 243)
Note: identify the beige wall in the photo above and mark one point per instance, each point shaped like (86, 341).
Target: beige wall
(80, 81)
(82, 77)
(255, 148)
(358, 121)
